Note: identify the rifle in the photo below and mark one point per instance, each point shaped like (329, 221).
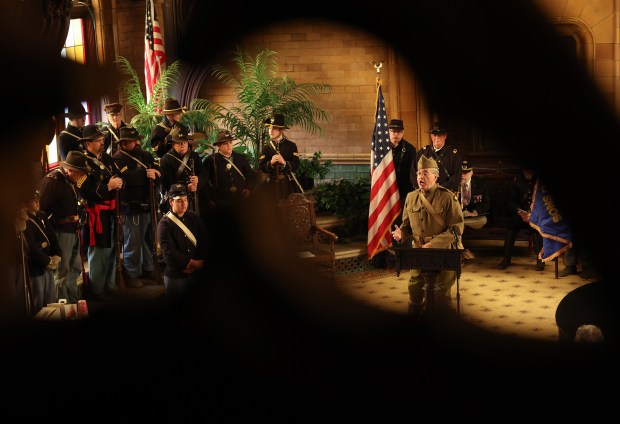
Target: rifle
(120, 277)
(29, 302)
(82, 214)
(194, 198)
(156, 268)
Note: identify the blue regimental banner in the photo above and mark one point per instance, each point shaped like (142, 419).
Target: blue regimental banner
(550, 223)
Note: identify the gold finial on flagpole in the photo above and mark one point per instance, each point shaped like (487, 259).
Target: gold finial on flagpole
(377, 67)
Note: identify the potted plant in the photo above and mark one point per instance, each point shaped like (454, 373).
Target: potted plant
(149, 114)
(311, 168)
(261, 90)
(348, 200)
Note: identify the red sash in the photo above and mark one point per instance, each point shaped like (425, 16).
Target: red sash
(94, 218)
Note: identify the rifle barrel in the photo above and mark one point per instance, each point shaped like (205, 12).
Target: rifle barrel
(156, 269)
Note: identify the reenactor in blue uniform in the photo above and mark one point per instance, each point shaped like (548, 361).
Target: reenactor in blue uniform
(161, 141)
(404, 156)
(448, 159)
(43, 254)
(183, 239)
(137, 168)
(60, 199)
(110, 143)
(182, 165)
(99, 190)
(279, 159)
(69, 138)
(230, 177)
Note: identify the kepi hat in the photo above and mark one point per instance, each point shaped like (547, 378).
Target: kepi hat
(466, 166)
(172, 106)
(438, 128)
(396, 124)
(275, 120)
(222, 136)
(75, 160)
(75, 110)
(92, 132)
(176, 191)
(425, 162)
(113, 108)
(129, 134)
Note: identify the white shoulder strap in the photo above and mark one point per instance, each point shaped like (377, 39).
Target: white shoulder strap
(182, 226)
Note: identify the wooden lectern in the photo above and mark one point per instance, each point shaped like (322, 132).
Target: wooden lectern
(430, 262)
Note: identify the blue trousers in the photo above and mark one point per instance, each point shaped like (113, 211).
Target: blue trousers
(43, 290)
(101, 268)
(137, 250)
(69, 268)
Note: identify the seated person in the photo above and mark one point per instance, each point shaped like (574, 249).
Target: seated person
(475, 197)
(519, 217)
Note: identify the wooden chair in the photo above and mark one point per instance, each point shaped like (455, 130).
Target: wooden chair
(311, 243)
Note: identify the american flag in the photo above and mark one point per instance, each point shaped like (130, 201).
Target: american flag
(154, 55)
(384, 198)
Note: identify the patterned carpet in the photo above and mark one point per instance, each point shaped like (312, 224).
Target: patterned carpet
(517, 301)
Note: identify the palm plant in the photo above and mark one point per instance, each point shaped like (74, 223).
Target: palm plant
(260, 92)
(149, 113)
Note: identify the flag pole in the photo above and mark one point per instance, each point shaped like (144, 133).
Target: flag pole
(384, 205)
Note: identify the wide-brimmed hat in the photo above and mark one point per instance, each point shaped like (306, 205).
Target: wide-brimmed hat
(425, 163)
(396, 124)
(75, 109)
(222, 136)
(438, 128)
(176, 191)
(113, 108)
(177, 135)
(75, 160)
(275, 120)
(466, 166)
(92, 132)
(172, 105)
(129, 134)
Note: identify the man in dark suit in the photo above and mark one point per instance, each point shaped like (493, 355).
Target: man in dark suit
(404, 155)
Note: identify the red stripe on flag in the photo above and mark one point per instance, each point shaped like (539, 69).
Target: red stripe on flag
(154, 55)
(384, 196)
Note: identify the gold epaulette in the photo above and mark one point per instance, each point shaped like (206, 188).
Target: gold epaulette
(81, 181)
(124, 169)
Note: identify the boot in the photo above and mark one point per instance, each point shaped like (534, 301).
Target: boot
(509, 242)
(568, 270)
(537, 245)
(540, 265)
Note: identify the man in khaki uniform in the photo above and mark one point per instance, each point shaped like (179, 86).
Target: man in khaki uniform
(430, 231)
